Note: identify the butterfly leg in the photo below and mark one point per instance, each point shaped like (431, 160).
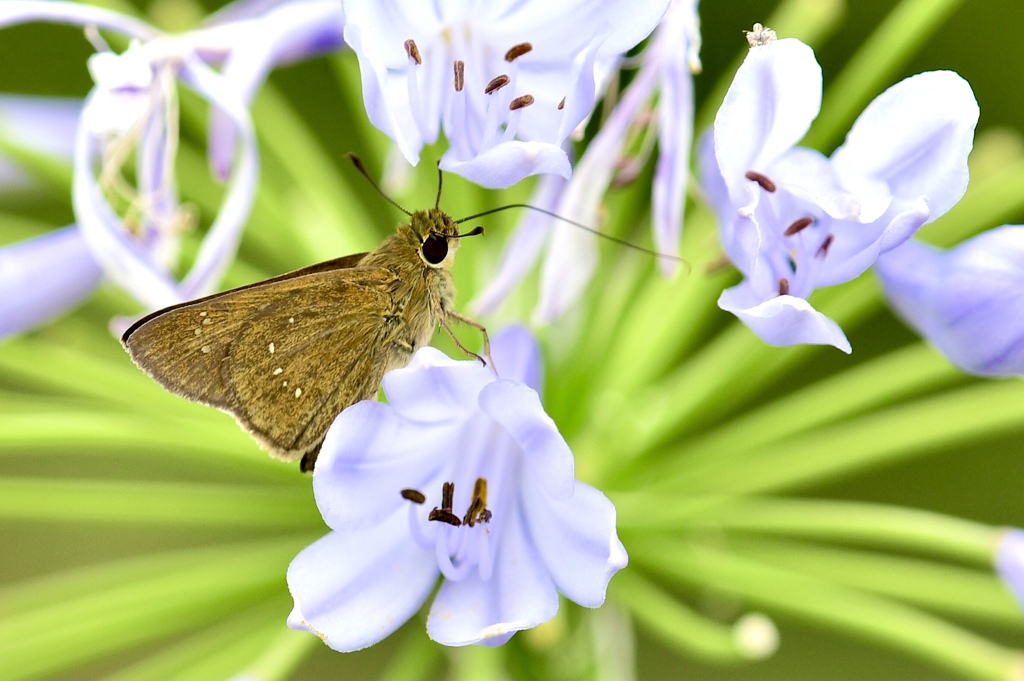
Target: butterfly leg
(474, 324)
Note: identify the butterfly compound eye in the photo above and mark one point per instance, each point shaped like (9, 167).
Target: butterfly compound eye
(435, 249)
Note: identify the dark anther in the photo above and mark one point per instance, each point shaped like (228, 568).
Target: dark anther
(798, 226)
(757, 177)
(496, 83)
(477, 512)
(517, 51)
(444, 514)
(414, 496)
(460, 75)
(783, 286)
(825, 245)
(561, 104)
(520, 102)
(413, 51)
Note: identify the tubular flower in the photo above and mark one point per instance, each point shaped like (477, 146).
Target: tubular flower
(791, 219)
(666, 68)
(461, 475)
(132, 232)
(507, 81)
(967, 301)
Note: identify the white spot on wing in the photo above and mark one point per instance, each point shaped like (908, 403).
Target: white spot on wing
(278, 371)
(271, 347)
(298, 392)
(206, 349)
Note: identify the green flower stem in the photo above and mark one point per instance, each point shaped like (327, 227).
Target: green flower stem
(677, 625)
(97, 623)
(827, 604)
(417, 658)
(812, 21)
(478, 663)
(216, 652)
(875, 525)
(902, 374)
(955, 591)
(871, 69)
(285, 652)
(83, 432)
(342, 224)
(260, 507)
(928, 425)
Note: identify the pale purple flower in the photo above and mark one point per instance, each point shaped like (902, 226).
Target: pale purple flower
(1009, 562)
(508, 82)
(791, 219)
(133, 110)
(45, 125)
(665, 72)
(968, 301)
(516, 530)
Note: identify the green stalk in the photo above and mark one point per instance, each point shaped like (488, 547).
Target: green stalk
(933, 424)
(280, 658)
(159, 503)
(872, 68)
(676, 625)
(97, 623)
(955, 591)
(202, 655)
(822, 603)
(874, 525)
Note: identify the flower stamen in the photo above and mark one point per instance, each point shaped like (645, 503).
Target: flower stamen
(783, 286)
(496, 84)
(460, 75)
(412, 51)
(520, 102)
(517, 51)
(415, 496)
(825, 245)
(766, 184)
(444, 514)
(478, 512)
(798, 226)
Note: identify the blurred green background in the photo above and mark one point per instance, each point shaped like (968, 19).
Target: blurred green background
(980, 41)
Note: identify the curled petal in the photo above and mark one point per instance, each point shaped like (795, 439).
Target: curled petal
(577, 541)
(519, 595)
(523, 247)
(221, 242)
(1009, 562)
(968, 301)
(509, 162)
(545, 453)
(22, 11)
(769, 107)
(44, 124)
(293, 30)
(782, 320)
(354, 588)
(675, 135)
(916, 136)
(42, 277)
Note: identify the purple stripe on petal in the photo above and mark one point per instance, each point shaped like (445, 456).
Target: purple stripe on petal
(43, 277)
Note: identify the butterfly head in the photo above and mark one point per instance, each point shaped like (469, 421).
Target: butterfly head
(437, 236)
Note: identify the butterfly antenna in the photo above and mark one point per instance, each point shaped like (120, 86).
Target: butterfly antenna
(362, 169)
(552, 214)
(440, 179)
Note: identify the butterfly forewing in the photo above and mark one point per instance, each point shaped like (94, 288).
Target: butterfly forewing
(229, 351)
(274, 364)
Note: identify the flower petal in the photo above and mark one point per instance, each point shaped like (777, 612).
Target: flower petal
(968, 301)
(519, 595)
(517, 356)
(916, 136)
(434, 388)
(672, 172)
(1009, 562)
(354, 588)
(769, 107)
(22, 11)
(576, 538)
(369, 456)
(546, 456)
(782, 320)
(509, 162)
(43, 277)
